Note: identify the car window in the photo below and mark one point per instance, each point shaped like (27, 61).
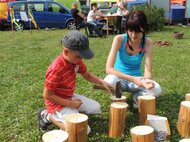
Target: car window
(19, 7)
(39, 7)
(52, 7)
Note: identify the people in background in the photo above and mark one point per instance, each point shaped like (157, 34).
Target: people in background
(124, 63)
(94, 16)
(80, 19)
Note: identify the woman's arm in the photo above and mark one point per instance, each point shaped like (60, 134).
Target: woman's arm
(148, 59)
(125, 12)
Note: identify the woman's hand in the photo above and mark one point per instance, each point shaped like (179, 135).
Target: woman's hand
(76, 103)
(142, 82)
(149, 83)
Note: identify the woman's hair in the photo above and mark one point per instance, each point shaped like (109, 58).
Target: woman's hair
(137, 21)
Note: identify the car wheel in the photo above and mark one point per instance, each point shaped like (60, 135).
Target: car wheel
(71, 25)
(19, 26)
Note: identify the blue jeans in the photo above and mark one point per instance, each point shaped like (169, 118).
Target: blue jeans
(98, 27)
(90, 26)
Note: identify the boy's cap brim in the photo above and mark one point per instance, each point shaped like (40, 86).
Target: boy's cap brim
(86, 54)
(76, 41)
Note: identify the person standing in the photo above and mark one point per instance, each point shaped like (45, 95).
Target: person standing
(120, 8)
(125, 13)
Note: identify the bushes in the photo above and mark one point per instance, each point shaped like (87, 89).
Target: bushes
(154, 15)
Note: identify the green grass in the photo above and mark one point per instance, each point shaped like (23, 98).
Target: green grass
(25, 58)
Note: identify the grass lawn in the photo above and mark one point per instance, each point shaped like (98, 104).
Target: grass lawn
(25, 58)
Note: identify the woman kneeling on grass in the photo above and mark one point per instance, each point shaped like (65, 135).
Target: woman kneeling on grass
(125, 59)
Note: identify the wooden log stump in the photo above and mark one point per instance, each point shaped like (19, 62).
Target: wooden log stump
(187, 97)
(185, 140)
(117, 119)
(55, 136)
(76, 125)
(142, 133)
(146, 105)
(183, 124)
(114, 99)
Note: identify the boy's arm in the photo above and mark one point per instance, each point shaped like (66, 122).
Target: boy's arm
(50, 95)
(96, 80)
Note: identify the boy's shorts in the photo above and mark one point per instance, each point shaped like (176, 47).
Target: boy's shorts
(88, 106)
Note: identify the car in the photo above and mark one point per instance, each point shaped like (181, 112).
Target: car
(39, 14)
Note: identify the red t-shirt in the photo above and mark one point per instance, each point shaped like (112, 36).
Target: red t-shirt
(61, 78)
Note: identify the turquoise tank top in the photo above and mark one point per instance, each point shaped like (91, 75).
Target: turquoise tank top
(128, 64)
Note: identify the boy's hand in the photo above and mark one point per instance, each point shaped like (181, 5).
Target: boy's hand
(107, 86)
(75, 103)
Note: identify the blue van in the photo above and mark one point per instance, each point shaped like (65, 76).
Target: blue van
(46, 14)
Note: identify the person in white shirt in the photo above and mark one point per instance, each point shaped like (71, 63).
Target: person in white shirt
(94, 15)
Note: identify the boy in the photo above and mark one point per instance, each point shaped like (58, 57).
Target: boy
(60, 99)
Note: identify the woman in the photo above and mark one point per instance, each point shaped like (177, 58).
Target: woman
(125, 59)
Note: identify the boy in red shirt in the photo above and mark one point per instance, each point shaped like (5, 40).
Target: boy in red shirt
(59, 96)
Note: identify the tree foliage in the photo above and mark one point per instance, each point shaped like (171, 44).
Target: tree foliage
(154, 15)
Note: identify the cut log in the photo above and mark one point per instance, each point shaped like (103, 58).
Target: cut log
(55, 136)
(142, 133)
(114, 99)
(185, 140)
(117, 119)
(146, 105)
(76, 125)
(183, 124)
(187, 97)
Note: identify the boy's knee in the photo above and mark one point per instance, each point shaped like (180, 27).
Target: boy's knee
(111, 79)
(95, 108)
